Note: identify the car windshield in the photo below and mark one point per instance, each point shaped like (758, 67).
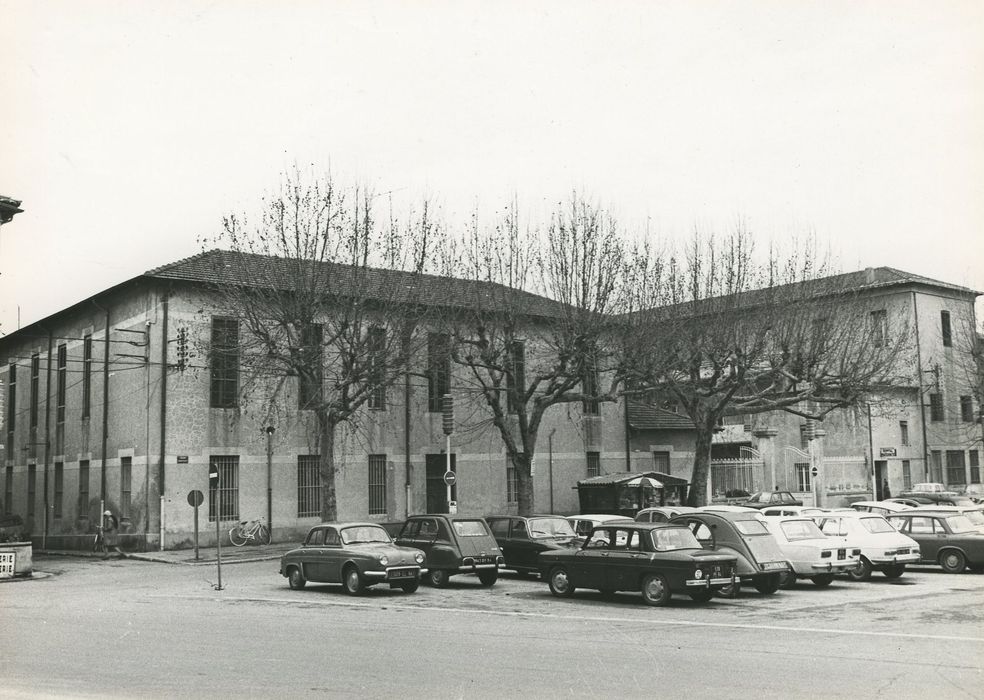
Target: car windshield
(665, 540)
(876, 525)
(801, 530)
(361, 534)
(470, 528)
(960, 523)
(975, 516)
(760, 497)
(751, 527)
(550, 527)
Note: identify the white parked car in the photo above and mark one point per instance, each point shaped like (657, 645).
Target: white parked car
(808, 511)
(661, 514)
(883, 548)
(810, 553)
(880, 507)
(583, 524)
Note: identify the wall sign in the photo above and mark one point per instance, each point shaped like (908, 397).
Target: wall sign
(887, 452)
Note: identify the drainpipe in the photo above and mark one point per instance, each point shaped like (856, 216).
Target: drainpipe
(269, 433)
(165, 297)
(919, 391)
(628, 456)
(47, 440)
(407, 467)
(105, 416)
(550, 465)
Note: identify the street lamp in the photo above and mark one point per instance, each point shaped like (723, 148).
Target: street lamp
(270, 430)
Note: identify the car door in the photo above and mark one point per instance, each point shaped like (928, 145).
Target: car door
(500, 531)
(524, 550)
(929, 533)
(313, 557)
(334, 554)
(590, 562)
(625, 560)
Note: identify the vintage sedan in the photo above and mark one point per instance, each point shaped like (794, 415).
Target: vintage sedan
(584, 524)
(357, 555)
(771, 498)
(661, 514)
(744, 536)
(883, 548)
(453, 544)
(880, 507)
(522, 539)
(945, 538)
(657, 559)
(809, 552)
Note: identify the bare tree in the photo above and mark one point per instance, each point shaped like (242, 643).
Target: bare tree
(319, 326)
(726, 334)
(539, 334)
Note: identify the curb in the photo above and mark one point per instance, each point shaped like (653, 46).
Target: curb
(142, 556)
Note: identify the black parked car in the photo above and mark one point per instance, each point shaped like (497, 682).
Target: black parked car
(522, 539)
(657, 559)
(946, 538)
(454, 544)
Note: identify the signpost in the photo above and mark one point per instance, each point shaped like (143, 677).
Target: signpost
(447, 421)
(195, 499)
(213, 483)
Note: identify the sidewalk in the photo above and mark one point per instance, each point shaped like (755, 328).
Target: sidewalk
(206, 555)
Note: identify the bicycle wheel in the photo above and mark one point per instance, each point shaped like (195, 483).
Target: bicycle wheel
(237, 536)
(263, 534)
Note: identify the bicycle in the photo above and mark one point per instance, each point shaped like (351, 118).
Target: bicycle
(249, 530)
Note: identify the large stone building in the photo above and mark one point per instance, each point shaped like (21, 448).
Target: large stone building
(99, 415)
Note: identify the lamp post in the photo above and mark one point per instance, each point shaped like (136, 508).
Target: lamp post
(270, 430)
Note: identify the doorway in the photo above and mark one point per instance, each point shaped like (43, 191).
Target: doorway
(437, 491)
(881, 480)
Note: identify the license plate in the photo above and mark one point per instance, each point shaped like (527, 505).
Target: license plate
(401, 573)
(842, 554)
(483, 560)
(7, 561)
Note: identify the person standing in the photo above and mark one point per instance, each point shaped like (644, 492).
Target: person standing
(110, 533)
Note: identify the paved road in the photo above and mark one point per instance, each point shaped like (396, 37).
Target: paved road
(138, 629)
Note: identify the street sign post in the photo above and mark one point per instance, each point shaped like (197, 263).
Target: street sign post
(213, 483)
(195, 499)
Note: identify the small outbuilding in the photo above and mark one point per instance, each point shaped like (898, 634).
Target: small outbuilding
(626, 493)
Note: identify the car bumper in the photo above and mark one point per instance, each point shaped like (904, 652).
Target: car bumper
(395, 573)
(468, 565)
(707, 582)
(835, 566)
(897, 559)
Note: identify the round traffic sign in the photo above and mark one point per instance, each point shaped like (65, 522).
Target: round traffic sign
(814, 471)
(450, 478)
(195, 498)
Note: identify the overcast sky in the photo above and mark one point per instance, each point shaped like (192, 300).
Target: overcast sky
(129, 128)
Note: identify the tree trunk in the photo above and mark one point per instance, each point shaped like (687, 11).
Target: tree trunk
(326, 465)
(524, 483)
(702, 467)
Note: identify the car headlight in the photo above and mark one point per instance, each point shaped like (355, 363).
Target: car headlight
(419, 556)
(698, 574)
(383, 559)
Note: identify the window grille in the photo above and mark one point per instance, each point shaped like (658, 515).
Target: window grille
(438, 369)
(879, 327)
(62, 370)
(906, 474)
(228, 490)
(804, 478)
(512, 484)
(58, 506)
(312, 372)
(86, 375)
(975, 467)
(377, 368)
(84, 488)
(377, 484)
(936, 407)
(11, 409)
(224, 356)
(594, 464)
(515, 375)
(967, 409)
(945, 329)
(956, 474)
(904, 432)
(8, 491)
(32, 488)
(126, 485)
(308, 486)
(35, 377)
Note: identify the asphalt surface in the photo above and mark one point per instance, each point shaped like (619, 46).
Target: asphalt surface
(132, 628)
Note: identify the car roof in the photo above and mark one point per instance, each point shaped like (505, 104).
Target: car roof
(445, 516)
(725, 514)
(635, 525)
(600, 517)
(346, 523)
(938, 510)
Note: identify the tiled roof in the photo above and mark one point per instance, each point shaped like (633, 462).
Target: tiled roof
(219, 267)
(643, 416)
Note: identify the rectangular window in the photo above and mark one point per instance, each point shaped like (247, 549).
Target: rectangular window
(956, 474)
(438, 369)
(58, 505)
(308, 486)
(224, 358)
(589, 384)
(967, 409)
(84, 488)
(904, 432)
(35, 378)
(311, 369)
(86, 375)
(512, 486)
(879, 328)
(32, 488)
(804, 480)
(975, 467)
(8, 491)
(515, 375)
(936, 407)
(126, 485)
(377, 484)
(945, 329)
(224, 500)
(906, 474)
(11, 409)
(936, 466)
(62, 367)
(377, 368)
(661, 462)
(804, 436)
(594, 464)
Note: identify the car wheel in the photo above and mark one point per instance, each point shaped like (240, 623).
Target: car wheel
(438, 578)
(894, 571)
(560, 582)
(353, 581)
(410, 586)
(295, 579)
(488, 578)
(823, 580)
(769, 584)
(952, 561)
(787, 580)
(701, 595)
(862, 572)
(655, 589)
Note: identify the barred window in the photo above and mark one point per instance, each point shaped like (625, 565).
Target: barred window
(62, 367)
(438, 369)
(906, 474)
(589, 384)
(224, 500)
(311, 370)
(126, 485)
(594, 464)
(945, 329)
(967, 409)
(955, 468)
(904, 432)
(377, 368)
(224, 356)
(936, 407)
(35, 378)
(57, 507)
(879, 327)
(308, 486)
(83, 489)
(936, 466)
(804, 478)
(661, 462)
(377, 484)
(8, 491)
(512, 483)
(515, 375)
(32, 488)
(975, 467)
(86, 375)
(11, 408)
